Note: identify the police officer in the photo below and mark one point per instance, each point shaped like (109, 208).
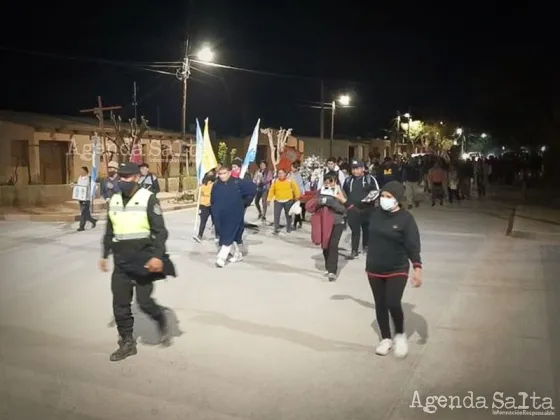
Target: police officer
(136, 236)
(357, 188)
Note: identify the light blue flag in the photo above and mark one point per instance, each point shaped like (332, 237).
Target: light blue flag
(199, 151)
(95, 145)
(251, 150)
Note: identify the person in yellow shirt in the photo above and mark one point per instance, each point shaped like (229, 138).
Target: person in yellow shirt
(204, 209)
(284, 192)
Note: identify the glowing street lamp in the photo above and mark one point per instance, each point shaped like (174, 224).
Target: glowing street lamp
(343, 100)
(484, 135)
(206, 54)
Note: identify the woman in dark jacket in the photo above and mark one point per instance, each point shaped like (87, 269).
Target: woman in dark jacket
(394, 243)
(331, 199)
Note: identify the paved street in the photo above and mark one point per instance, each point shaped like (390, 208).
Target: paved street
(269, 338)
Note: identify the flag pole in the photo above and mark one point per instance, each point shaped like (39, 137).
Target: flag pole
(197, 216)
(199, 179)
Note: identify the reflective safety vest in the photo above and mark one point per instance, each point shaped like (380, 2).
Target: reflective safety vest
(130, 221)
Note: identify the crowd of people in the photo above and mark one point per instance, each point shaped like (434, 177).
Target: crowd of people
(369, 204)
(372, 199)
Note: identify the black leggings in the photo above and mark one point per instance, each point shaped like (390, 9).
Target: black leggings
(204, 213)
(387, 294)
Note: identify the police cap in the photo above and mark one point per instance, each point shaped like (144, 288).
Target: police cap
(357, 164)
(128, 168)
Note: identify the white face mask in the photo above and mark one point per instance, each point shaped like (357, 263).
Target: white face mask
(387, 204)
(328, 191)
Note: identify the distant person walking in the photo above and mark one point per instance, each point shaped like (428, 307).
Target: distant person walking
(148, 180)
(437, 178)
(84, 180)
(262, 179)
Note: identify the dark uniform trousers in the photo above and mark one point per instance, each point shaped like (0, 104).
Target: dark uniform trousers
(122, 286)
(358, 220)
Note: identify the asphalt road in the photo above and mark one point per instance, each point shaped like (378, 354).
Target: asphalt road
(269, 338)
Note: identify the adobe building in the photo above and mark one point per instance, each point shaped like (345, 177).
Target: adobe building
(41, 155)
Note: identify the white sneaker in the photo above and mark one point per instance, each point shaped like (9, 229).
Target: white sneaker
(401, 346)
(222, 256)
(384, 347)
(238, 256)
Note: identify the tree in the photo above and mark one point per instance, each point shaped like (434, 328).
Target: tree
(277, 144)
(127, 138)
(436, 138)
(232, 154)
(479, 143)
(413, 131)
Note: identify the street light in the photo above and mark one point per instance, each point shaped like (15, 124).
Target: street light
(484, 135)
(206, 54)
(344, 100)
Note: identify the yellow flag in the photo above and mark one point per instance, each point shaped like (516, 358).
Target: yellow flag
(208, 161)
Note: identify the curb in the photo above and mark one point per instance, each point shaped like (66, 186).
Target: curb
(70, 218)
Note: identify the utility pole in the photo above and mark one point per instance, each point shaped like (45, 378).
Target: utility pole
(185, 73)
(322, 131)
(135, 103)
(333, 105)
(99, 112)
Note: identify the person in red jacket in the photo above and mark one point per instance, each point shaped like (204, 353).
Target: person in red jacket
(328, 222)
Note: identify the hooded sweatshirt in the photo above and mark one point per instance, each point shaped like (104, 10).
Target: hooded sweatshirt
(394, 239)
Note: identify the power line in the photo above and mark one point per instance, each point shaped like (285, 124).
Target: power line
(272, 74)
(136, 66)
(155, 67)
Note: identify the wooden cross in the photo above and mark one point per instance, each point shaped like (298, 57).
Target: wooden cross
(99, 112)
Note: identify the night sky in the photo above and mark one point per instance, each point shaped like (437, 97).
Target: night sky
(485, 67)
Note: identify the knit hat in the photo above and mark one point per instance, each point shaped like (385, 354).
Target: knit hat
(396, 189)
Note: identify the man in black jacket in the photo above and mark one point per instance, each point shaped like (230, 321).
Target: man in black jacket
(135, 235)
(389, 171)
(357, 187)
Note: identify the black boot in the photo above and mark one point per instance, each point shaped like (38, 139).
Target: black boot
(127, 347)
(163, 328)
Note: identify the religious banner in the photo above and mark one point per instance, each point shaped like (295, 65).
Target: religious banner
(80, 192)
